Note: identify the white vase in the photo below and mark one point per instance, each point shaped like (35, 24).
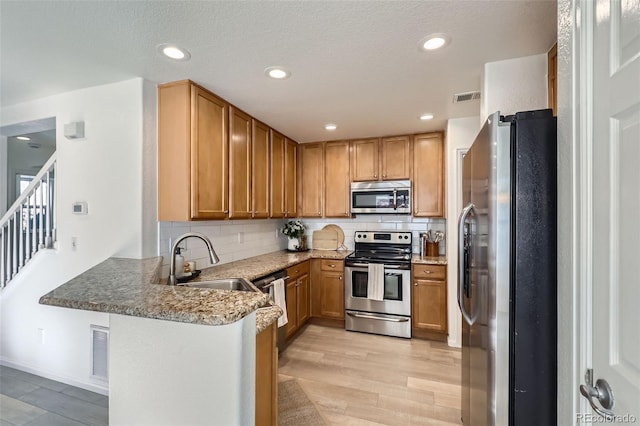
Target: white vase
(293, 244)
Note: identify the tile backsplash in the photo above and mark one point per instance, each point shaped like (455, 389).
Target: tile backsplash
(240, 239)
(378, 223)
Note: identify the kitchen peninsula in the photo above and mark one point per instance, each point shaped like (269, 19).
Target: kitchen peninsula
(179, 355)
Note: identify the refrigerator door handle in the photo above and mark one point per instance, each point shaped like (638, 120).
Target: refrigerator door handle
(462, 269)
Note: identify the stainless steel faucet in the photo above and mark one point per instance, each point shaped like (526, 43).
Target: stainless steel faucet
(172, 268)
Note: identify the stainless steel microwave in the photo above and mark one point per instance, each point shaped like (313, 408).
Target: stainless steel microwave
(381, 197)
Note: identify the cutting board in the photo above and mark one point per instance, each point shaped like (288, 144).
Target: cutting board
(325, 239)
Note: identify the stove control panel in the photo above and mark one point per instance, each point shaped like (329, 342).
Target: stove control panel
(383, 237)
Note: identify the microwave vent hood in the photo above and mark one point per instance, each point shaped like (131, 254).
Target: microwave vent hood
(381, 197)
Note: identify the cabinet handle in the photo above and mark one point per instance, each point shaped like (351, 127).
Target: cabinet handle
(375, 175)
(415, 284)
(226, 211)
(332, 266)
(340, 277)
(426, 271)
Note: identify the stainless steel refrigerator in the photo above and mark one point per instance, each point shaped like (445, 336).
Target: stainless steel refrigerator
(507, 272)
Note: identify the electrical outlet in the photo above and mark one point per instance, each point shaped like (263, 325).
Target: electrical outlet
(41, 334)
(74, 243)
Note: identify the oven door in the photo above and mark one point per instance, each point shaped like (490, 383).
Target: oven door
(397, 291)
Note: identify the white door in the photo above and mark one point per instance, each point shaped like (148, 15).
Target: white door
(615, 204)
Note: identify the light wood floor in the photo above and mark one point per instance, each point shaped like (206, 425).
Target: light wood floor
(363, 379)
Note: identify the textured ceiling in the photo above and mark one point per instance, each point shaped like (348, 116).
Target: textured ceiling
(353, 63)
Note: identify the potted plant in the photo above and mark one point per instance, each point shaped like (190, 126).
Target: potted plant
(294, 230)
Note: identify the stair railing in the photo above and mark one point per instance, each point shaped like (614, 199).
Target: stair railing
(30, 223)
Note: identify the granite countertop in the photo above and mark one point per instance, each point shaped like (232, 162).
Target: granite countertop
(129, 287)
(426, 260)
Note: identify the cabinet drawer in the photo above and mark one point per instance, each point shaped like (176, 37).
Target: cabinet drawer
(431, 272)
(331, 265)
(298, 270)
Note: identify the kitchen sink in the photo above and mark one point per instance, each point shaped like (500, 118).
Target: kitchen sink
(223, 284)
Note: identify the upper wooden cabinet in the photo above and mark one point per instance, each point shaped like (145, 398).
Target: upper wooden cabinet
(290, 178)
(239, 164)
(381, 159)
(337, 191)
(260, 169)
(552, 78)
(248, 166)
(428, 175)
(364, 159)
(284, 188)
(395, 158)
(311, 173)
(192, 153)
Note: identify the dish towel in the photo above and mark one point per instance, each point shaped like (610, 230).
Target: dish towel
(276, 291)
(375, 284)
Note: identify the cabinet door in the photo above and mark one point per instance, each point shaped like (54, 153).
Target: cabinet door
(209, 155)
(292, 307)
(239, 164)
(290, 178)
(428, 175)
(277, 174)
(311, 180)
(259, 170)
(174, 143)
(364, 160)
(336, 180)
(429, 305)
(395, 153)
(267, 377)
(303, 299)
(332, 295)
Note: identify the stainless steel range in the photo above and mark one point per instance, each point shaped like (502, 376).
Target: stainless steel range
(390, 316)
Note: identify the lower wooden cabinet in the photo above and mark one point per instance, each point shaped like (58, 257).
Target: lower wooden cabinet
(429, 301)
(267, 377)
(297, 295)
(327, 289)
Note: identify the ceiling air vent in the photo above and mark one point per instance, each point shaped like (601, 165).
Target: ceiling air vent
(467, 96)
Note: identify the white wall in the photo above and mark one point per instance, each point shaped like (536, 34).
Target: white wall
(461, 133)
(518, 84)
(105, 169)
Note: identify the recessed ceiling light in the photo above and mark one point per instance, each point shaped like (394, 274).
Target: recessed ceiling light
(425, 117)
(277, 72)
(174, 52)
(434, 41)
(23, 138)
(330, 127)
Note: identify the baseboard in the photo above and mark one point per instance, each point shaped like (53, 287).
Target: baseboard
(102, 389)
(327, 322)
(429, 335)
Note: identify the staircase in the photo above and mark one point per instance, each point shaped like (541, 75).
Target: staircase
(29, 225)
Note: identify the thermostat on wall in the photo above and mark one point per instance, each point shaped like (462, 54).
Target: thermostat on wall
(80, 207)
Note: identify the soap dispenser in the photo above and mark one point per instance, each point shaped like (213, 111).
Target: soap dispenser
(179, 263)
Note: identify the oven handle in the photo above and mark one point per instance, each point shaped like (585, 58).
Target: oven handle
(365, 265)
(374, 317)
(395, 199)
